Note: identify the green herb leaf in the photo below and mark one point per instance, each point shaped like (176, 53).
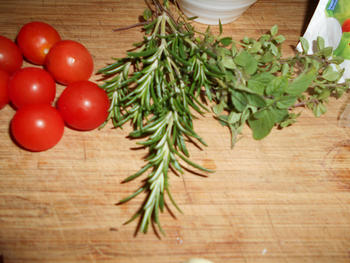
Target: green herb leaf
(304, 44)
(247, 61)
(286, 102)
(239, 101)
(320, 43)
(226, 41)
(280, 39)
(261, 123)
(330, 74)
(256, 100)
(319, 109)
(277, 86)
(220, 27)
(228, 62)
(301, 83)
(274, 30)
(147, 14)
(256, 86)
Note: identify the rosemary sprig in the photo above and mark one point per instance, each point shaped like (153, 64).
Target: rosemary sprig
(158, 97)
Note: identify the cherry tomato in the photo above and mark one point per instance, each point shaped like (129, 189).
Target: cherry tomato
(4, 94)
(31, 86)
(69, 61)
(11, 58)
(37, 127)
(35, 40)
(83, 105)
(346, 25)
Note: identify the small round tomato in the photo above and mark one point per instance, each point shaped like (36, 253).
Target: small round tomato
(346, 25)
(69, 61)
(31, 86)
(83, 105)
(11, 58)
(37, 127)
(4, 94)
(35, 40)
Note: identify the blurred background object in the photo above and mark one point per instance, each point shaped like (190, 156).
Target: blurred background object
(209, 12)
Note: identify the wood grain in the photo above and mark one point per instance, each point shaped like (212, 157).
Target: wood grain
(283, 199)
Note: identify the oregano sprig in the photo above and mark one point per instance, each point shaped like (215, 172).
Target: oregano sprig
(263, 89)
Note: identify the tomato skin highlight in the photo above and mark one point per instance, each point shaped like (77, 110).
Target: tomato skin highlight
(35, 39)
(83, 105)
(31, 86)
(4, 93)
(11, 58)
(37, 127)
(69, 61)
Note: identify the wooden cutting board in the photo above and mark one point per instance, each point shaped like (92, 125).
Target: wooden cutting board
(282, 199)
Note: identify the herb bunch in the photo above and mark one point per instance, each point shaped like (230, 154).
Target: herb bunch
(263, 89)
(150, 87)
(176, 71)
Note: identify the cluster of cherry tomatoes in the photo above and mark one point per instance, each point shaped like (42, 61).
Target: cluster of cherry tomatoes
(38, 124)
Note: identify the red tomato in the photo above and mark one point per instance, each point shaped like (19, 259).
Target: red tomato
(83, 105)
(346, 25)
(4, 94)
(37, 127)
(35, 40)
(31, 86)
(10, 55)
(69, 61)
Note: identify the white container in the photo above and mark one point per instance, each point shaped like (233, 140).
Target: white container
(210, 11)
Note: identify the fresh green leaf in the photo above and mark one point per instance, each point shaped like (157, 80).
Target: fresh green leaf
(280, 39)
(145, 53)
(327, 52)
(147, 14)
(337, 60)
(218, 108)
(289, 120)
(285, 69)
(265, 77)
(268, 57)
(319, 109)
(247, 61)
(304, 44)
(255, 48)
(324, 94)
(227, 62)
(261, 123)
(280, 114)
(286, 102)
(234, 117)
(274, 30)
(256, 86)
(301, 83)
(226, 41)
(256, 100)
(233, 50)
(220, 28)
(274, 50)
(320, 43)
(330, 74)
(239, 100)
(277, 86)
